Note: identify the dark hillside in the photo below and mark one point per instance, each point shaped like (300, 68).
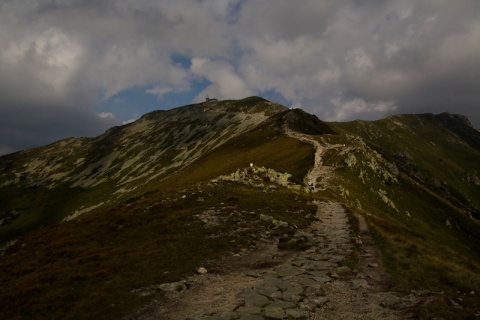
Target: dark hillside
(90, 268)
(306, 123)
(425, 218)
(458, 124)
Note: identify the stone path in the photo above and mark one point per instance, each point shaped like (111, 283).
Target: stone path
(296, 289)
(319, 173)
(309, 284)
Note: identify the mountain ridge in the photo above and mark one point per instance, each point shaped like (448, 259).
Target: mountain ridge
(171, 189)
(121, 159)
(157, 144)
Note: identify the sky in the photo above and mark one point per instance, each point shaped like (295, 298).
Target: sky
(74, 68)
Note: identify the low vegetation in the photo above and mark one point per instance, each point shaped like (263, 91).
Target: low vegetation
(428, 234)
(87, 268)
(414, 178)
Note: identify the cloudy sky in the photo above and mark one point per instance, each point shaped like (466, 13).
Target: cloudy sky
(77, 67)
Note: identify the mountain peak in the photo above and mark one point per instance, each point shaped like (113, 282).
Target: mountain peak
(249, 105)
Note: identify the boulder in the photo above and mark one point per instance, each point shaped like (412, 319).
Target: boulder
(202, 270)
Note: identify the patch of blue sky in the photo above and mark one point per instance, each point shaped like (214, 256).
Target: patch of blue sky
(177, 98)
(274, 96)
(134, 102)
(128, 104)
(180, 59)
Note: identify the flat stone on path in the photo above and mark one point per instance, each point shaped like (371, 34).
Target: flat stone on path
(288, 270)
(250, 310)
(274, 313)
(247, 316)
(297, 313)
(256, 300)
(343, 270)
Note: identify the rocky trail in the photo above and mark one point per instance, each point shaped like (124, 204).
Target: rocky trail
(319, 173)
(269, 283)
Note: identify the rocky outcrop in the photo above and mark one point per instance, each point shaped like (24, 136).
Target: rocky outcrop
(369, 163)
(260, 177)
(473, 178)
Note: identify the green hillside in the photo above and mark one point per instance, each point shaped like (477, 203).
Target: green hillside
(99, 173)
(414, 179)
(84, 267)
(150, 202)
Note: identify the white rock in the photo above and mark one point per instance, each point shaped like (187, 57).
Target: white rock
(202, 270)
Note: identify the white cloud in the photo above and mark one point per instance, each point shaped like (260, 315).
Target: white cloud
(357, 108)
(359, 60)
(46, 61)
(106, 115)
(296, 106)
(159, 91)
(129, 121)
(226, 83)
(337, 59)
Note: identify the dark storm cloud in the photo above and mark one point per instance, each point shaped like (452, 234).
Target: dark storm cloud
(368, 59)
(338, 59)
(58, 59)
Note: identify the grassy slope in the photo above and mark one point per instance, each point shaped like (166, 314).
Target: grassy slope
(88, 267)
(26, 206)
(420, 250)
(265, 146)
(37, 200)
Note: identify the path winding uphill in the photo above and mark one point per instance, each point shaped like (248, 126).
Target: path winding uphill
(319, 174)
